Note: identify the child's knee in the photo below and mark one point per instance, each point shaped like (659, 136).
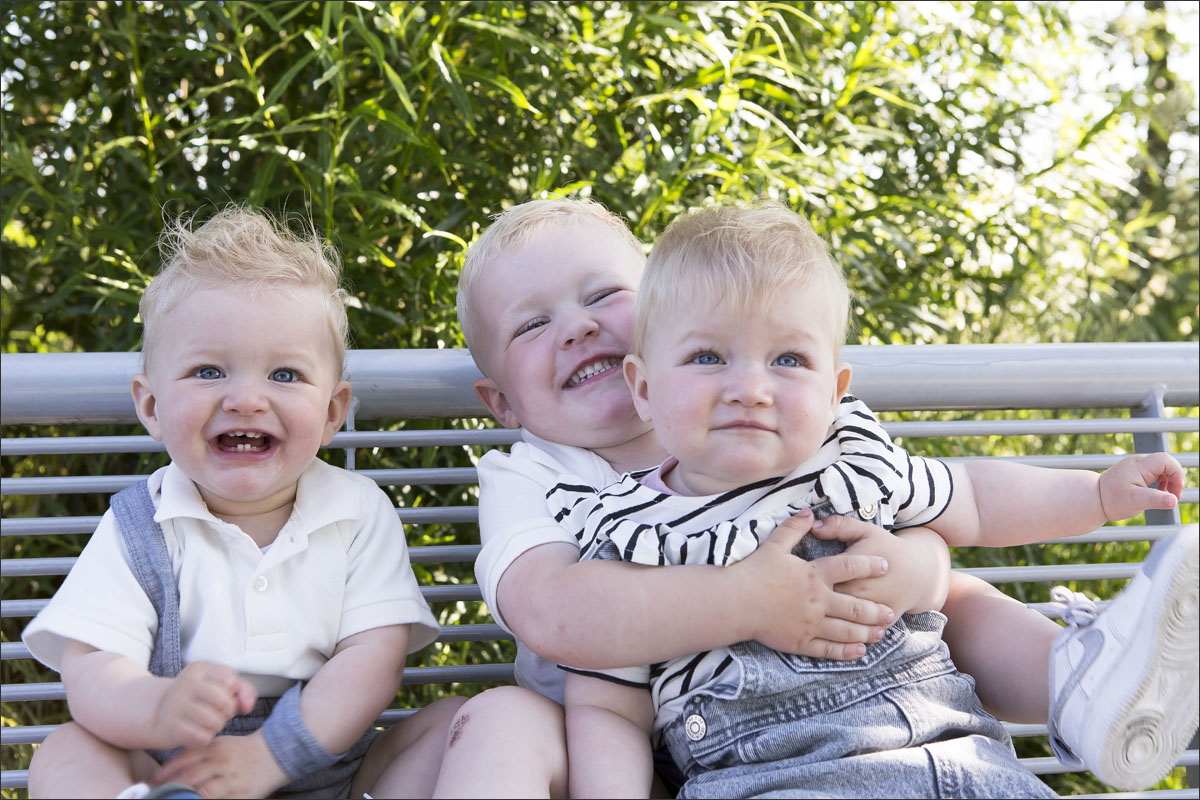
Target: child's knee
(71, 749)
(68, 741)
(501, 713)
(442, 712)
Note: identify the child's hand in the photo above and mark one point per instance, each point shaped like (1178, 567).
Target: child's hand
(802, 612)
(198, 703)
(918, 575)
(1125, 486)
(228, 766)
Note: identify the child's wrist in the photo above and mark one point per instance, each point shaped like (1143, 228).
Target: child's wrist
(1105, 516)
(293, 747)
(742, 592)
(273, 775)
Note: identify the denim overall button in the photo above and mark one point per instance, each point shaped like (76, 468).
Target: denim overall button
(695, 727)
(867, 511)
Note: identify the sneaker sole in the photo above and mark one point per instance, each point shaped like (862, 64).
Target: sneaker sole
(1155, 723)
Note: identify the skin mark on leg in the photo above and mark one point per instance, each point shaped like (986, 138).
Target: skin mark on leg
(456, 729)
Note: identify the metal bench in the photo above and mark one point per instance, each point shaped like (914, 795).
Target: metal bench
(1112, 398)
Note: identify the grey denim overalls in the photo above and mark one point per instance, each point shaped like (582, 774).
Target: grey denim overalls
(150, 562)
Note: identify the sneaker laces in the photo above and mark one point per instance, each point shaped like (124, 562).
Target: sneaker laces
(1079, 610)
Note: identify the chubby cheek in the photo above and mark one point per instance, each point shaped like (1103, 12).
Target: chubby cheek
(618, 320)
(674, 424)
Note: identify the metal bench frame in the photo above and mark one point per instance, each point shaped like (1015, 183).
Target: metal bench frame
(1143, 379)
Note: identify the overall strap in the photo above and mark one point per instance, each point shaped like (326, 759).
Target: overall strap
(151, 564)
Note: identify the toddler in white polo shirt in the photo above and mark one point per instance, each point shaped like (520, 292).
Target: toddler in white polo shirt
(239, 620)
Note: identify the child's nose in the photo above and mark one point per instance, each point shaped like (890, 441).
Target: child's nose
(747, 386)
(576, 327)
(245, 396)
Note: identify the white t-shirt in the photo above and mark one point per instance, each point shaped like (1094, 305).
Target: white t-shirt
(514, 519)
(338, 567)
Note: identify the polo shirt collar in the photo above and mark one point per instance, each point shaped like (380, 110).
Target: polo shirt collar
(324, 495)
(569, 459)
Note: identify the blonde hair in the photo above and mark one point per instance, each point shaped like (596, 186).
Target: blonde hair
(513, 229)
(248, 248)
(741, 256)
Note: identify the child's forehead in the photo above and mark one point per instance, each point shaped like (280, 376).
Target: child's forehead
(281, 302)
(562, 256)
(790, 313)
(569, 233)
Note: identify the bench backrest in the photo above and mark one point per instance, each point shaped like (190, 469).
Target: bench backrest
(419, 408)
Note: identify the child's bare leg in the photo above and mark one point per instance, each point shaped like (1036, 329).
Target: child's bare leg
(506, 742)
(71, 762)
(1003, 645)
(404, 760)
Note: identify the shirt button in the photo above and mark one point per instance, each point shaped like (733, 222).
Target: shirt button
(695, 727)
(867, 511)
(260, 584)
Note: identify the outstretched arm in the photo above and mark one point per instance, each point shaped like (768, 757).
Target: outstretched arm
(1000, 504)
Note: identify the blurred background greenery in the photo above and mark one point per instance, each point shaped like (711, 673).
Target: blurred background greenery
(986, 172)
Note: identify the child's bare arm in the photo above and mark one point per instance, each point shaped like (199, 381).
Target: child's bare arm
(125, 705)
(608, 738)
(1000, 504)
(353, 687)
(604, 614)
(337, 705)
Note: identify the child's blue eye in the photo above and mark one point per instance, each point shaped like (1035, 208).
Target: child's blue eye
(208, 373)
(285, 375)
(706, 359)
(788, 360)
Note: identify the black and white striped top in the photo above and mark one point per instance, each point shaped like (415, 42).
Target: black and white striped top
(857, 470)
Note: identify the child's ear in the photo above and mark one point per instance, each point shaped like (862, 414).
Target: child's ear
(843, 383)
(635, 376)
(339, 405)
(145, 404)
(496, 402)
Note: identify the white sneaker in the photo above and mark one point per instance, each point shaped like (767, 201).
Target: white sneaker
(1124, 699)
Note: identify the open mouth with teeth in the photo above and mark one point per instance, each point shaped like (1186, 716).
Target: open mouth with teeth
(592, 370)
(243, 442)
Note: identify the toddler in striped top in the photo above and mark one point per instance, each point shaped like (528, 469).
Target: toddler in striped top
(737, 328)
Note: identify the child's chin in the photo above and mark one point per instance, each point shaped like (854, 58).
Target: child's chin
(749, 471)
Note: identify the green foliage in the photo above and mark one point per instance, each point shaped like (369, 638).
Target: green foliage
(985, 171)
(974, 187)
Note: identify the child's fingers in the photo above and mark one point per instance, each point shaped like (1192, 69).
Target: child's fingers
(199, 729)
(842, 528)
(225, 690)
(1171, 479)
(1163, 469)
(845, 608)
(247, 696)
(1160, 499)
(187, 767)
(789, 532)
(841, 568)
(836, 651)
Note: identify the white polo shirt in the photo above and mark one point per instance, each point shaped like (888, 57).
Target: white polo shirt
(338, 567)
